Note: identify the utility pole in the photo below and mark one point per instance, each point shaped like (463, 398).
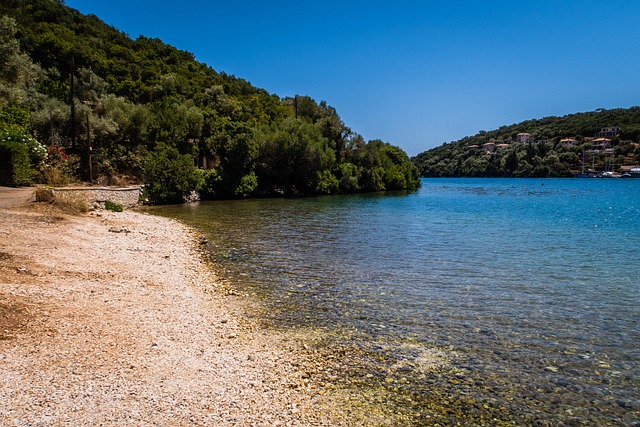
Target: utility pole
(51, 126)
(90, 148)
(73, 107)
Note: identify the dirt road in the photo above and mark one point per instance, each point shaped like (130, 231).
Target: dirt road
(11, 197)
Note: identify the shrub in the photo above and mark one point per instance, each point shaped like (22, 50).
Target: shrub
(60, 168)
(17, 116)
(327, 183)
(112, 206)
(248, 184)
(37, 152)
(15, 167)
(210, 183)
(44, 194)
(349, 177)
(169, 175)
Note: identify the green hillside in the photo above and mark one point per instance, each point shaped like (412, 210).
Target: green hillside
(113, 110)
(555, 147)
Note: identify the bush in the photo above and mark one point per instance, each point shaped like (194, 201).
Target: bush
(60, 168)
(169, 175)
(349, 177)
(112, 206)
(15, 167)
(44, 194)
(16, 116)
(248, 184)
(327, 183)
(37, 152)
(210, 183)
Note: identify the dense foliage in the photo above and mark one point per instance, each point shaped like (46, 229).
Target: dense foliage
(15, 167)
(547, 155)
(114, 103)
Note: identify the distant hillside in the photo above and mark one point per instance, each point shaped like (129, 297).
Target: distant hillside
(111, 109)
(548, 147)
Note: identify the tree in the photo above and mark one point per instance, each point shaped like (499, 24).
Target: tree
(17, 72)
(169, 175)
(21, 155)
(349, 177)
(294, 154)
(511, 161)
(327, 183)
(235, 145)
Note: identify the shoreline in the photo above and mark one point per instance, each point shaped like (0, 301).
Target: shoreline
(113, 318)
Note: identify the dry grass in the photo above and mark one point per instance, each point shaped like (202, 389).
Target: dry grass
(44, 194)
(113, 180)
(53, 176)
(68, 203)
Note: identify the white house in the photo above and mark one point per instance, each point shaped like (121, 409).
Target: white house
(489, 146)
(569, 142)
(609, 132)
(524, 138)
(601, 143)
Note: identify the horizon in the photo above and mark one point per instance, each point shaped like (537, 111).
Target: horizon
(415, 74)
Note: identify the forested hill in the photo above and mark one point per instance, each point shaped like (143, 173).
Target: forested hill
(110, 109)
(548, 147)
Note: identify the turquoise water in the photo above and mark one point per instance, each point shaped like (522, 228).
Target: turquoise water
(529, 289)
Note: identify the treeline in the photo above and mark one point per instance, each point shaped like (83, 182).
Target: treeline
(100, 106)
(546, 156)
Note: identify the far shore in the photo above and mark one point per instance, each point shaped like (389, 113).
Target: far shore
(115, 318)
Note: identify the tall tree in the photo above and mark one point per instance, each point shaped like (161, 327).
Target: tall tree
(18, 73)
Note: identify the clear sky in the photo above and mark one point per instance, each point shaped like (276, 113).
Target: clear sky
(413, 73)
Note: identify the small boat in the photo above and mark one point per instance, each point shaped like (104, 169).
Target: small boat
(608, 175)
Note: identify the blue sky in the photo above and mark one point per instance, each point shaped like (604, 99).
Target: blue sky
(413, 73)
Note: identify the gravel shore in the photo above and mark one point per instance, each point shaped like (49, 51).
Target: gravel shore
(114, 318)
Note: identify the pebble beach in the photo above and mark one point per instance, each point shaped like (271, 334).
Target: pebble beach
(115, 318)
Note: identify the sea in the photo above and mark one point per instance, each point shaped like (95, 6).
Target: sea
(466, 302)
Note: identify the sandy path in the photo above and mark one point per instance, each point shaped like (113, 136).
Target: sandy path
(113, 319)
(10, 197)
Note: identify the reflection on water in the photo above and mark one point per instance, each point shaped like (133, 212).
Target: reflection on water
(527, 288)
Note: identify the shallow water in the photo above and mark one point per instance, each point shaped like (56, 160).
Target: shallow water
(528, 289)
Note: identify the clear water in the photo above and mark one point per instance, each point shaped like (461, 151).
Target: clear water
(529, 288)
